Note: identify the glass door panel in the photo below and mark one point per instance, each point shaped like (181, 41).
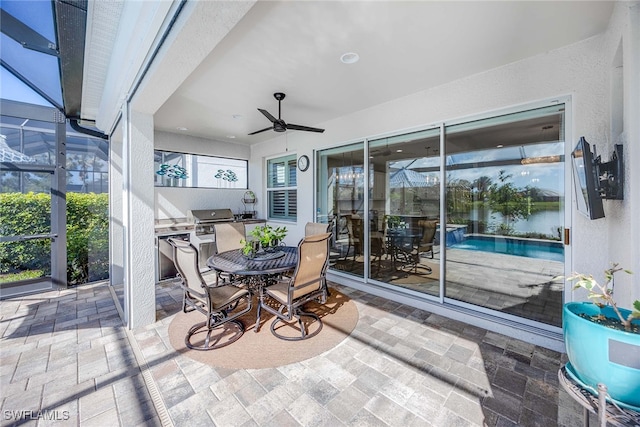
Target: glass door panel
(25, 226)
(505, 213)
(340, 201)
(404, 205)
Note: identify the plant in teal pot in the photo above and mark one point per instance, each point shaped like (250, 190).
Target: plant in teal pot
(603, 340)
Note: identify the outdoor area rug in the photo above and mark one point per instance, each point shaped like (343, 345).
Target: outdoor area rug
(262, 349)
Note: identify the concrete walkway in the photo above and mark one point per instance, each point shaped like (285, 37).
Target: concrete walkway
(67, 360)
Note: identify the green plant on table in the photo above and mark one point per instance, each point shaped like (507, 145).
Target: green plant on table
(268, 235)
(602, 294)
(249, 247)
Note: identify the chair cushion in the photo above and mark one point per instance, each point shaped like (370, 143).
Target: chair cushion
(224, 295)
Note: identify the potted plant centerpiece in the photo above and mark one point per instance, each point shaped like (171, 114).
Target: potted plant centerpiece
(250, 248)
(603, 340)
(268, 236)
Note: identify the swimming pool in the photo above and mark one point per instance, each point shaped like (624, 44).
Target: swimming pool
(553, 251)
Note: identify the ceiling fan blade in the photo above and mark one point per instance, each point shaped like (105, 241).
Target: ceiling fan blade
(267, 115)
(261, 130)
(305, 128)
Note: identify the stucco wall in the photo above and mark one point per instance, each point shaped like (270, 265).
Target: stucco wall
(581, 70)
(175, 202)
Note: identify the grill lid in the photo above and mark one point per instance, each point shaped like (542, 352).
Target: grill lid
(204, 216)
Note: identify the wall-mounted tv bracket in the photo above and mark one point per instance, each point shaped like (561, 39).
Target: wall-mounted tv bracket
(611, 175)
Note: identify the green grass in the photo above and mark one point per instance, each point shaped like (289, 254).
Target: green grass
(23, 275)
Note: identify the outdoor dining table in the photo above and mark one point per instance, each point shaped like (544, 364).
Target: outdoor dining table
(259, 271)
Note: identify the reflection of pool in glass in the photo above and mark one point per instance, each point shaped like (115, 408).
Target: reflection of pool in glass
(540, 249)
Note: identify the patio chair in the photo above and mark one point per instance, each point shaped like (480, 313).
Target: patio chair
(312, 228)
(354, 236)
(285, 299)
(228, 238)
(428, 236)
(218, 303)
(229, 235)
(377, 249)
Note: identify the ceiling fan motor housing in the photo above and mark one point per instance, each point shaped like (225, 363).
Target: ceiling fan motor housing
(279, 126)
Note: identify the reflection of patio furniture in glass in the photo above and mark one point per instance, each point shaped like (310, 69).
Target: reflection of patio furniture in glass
(428, 236)
(404, 244)
(377, 248)
(354, 236)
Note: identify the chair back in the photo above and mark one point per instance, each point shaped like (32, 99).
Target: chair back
(185, 257)
(316, 228)
(229, 235)
(313, 259)
(428, 231)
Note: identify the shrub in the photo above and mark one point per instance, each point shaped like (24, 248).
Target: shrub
(87, 234)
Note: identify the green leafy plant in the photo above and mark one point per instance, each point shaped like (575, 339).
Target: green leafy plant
(249, 247)
(602, 294)
(268, 235)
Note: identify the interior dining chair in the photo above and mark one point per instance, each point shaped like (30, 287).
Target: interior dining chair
(221, 305)
(229, 235)
(285, 299)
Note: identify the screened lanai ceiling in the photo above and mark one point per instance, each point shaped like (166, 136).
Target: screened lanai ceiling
(42, 52)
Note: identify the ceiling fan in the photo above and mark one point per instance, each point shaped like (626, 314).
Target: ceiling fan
(280, 125)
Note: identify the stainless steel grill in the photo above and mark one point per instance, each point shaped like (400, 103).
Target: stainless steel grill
(204, 219)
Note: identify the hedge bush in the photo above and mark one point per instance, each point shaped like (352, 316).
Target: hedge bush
(87, 234)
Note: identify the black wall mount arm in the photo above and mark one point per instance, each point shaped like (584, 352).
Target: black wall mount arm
(611, 175)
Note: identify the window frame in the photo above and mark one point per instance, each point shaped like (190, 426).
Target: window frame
(290, 170)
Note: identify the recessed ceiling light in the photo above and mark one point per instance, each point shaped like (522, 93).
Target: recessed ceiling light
(399, 150)
(231, 136)
(499, 146)
(237, 116)
(181, 128)
(349, 58)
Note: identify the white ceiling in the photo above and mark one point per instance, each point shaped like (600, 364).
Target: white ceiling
(404, 47)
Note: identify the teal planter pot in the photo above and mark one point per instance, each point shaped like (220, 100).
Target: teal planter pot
(598, 354)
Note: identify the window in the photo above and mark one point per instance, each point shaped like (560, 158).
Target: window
(282, 192)
(199, 171)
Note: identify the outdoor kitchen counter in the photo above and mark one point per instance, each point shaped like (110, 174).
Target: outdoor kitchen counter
(182, 225)
(173, 226)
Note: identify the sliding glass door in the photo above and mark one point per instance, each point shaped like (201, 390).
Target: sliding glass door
(498, 229)
(341, 202)
(404, 210)
(505, 213)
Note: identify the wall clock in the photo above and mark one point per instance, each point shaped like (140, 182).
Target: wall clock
(303, 163)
